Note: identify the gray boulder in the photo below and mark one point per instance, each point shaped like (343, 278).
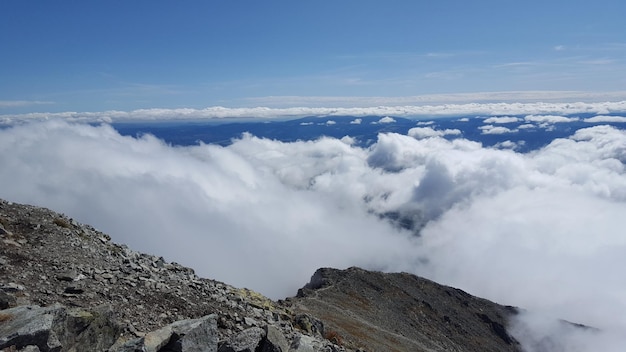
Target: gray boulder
(57, 328)
(6, 300)
(245, 341)
(29, 325)
(303, 343)
(191, 335)
(274, 340)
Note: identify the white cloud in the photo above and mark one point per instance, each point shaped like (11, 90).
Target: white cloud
(306, 123)
(348, 140)
(463, 119)
(427, 132)
(501, 119)
(538, 333)
(356, 121)
(425, 123)
(387, 119)
(601, 118)
(550, 119)
(509, 145)
(526, 126)
(331, 122)
(491, 129)
(543, 230)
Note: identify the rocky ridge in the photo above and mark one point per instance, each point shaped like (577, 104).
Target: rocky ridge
(54, 268)
(403, 312)
(65, 286)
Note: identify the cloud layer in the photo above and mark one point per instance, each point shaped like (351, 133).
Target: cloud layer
(542, 230)
(539, 112)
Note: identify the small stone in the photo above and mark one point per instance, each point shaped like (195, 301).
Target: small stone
(11, 242)
(73, 290)
(250, 322)
(67, 276)
(4, 231)
(6, 300)
(12, 287)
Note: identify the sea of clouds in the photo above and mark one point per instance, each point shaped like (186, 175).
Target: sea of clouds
(543, 230)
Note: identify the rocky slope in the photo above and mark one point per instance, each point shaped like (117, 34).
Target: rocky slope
(65, 286)
(403, 312)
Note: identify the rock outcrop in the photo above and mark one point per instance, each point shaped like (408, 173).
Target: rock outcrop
(65, 286)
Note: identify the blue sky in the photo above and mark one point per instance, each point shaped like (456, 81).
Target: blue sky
(125, 55)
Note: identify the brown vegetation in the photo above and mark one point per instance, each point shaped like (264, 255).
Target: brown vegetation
(62, 223)
(5, 317)
(334, 337)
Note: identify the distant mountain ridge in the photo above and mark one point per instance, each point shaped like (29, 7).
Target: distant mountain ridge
(403, 312)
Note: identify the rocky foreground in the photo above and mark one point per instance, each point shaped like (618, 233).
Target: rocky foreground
(65, 286)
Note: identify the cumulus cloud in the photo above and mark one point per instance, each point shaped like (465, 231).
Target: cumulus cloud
(425, 123)
(356, 121)
(601, 118)
(491, 129)
(331, 122)
(509, 145)
(235, 214)
(543, 230)
(550, 119)
(501, 119)
(427, 132)
(387, 119)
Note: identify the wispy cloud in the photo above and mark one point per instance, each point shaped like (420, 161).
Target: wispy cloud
(450, 98)
(599, 62)
(22, 103)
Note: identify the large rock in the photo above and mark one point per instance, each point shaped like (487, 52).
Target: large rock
(29, 325)
(274, 341)
(191, 335)
(246, 341)
(303, 343)
(57, 328)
